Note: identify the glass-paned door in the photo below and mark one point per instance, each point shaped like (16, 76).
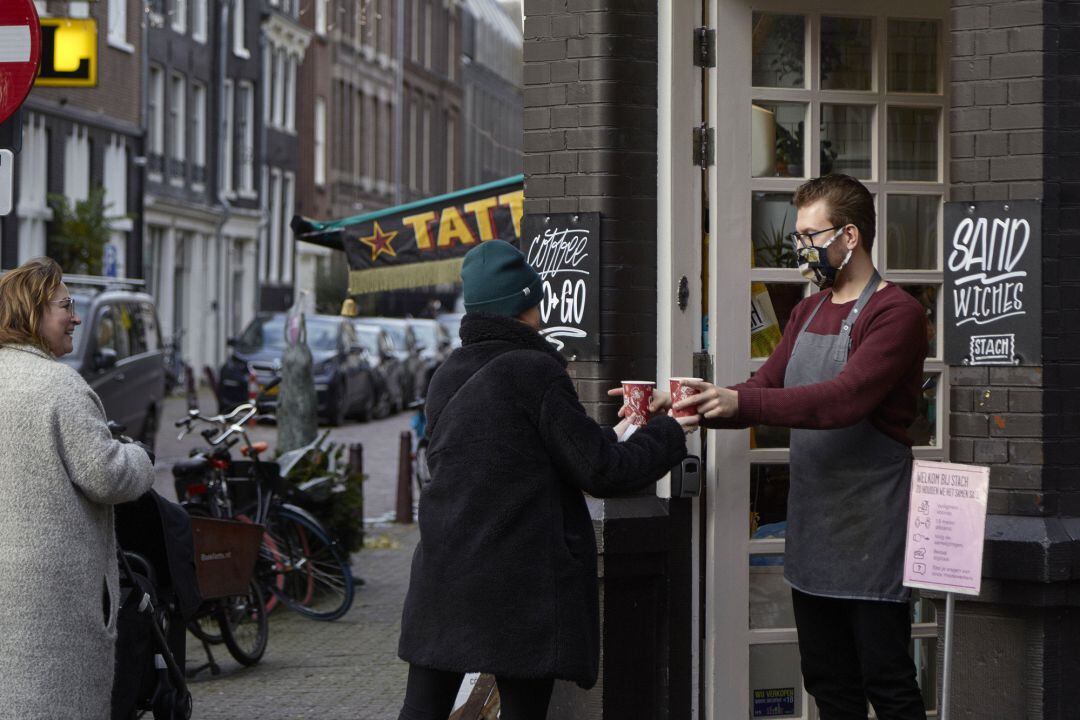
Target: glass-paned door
(859, 91)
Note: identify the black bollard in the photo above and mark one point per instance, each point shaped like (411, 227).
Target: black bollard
(356, 470)
(404, 480)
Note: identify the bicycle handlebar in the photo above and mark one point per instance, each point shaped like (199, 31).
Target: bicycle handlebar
(229, 428)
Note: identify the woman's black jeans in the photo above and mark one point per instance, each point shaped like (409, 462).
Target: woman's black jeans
(430, 696)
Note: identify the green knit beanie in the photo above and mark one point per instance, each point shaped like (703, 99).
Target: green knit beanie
(497, 279)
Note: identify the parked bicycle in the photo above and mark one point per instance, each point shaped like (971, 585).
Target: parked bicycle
(300, 563)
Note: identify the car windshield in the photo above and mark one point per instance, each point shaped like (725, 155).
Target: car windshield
(425, 335)
(397, 334)
(369, 340)
(269, 334)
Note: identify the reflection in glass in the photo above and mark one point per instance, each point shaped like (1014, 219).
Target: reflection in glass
(770, 596)
(847, 56)
(770, 308)
(923, 430)
(924, 653)
(927, 296)
(913, 143)
(777, 139)
(912, 231)
(775, 681)
(768, 500)
(913, 56)
(779, 50)
(846, 139)
(772, 217)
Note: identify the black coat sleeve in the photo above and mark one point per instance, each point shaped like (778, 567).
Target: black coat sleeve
(588, 456)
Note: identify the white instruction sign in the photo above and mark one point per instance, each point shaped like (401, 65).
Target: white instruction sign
(7, 179)
(946, 525)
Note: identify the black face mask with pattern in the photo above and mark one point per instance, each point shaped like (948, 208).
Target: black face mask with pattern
(814, 263)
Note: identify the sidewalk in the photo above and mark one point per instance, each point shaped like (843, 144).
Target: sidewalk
(342, 670)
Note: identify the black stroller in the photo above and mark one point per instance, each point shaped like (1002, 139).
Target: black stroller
(158, 595)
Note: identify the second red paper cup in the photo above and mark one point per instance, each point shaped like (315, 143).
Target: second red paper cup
(636, 396)
(681, 392)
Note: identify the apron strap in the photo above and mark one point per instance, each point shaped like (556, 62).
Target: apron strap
(843, 343)
(809, 320)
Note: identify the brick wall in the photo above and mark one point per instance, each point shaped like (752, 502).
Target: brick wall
(1015, 134)
(590, 146)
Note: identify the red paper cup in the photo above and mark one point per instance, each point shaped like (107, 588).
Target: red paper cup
(636, 396)
(681, 392)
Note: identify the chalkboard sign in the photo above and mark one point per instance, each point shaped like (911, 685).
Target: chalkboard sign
(993, 283)
(565, 249)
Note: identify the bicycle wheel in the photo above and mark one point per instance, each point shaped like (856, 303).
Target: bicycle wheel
(314, 579)
(244, 625)
(268, 566)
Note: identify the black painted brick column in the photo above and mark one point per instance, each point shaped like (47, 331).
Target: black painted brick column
(590, 146)
(1015, 135)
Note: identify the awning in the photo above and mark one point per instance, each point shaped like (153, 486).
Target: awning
(423, 242)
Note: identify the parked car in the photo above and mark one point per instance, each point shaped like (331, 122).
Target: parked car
(433, 344)
(344, 381)
(451, 322)
(391, 374)
(118, 350)
(404, 348)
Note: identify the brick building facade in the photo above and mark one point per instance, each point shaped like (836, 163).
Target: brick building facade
(928, 103)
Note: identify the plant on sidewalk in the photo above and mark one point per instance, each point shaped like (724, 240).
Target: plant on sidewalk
(80, 233)
(339, 503)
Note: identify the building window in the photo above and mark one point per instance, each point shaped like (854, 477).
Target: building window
(118, 26)
(200, 20)
(274, 248)
(227, 149)
(414, 23)
(177, 127)
(288, 191)
(427, 34)
(451, 155)
(246, 132)
(179, 16)
(198, 129)
(278, 118)
(33, 209)
(267, 85)
(116, 178)
(77, 164)
(320, 16)
(413, 170)
(78, 9)
(156, 110)
(426, 147)
(290, 94)
(320, 141)
(239, 43)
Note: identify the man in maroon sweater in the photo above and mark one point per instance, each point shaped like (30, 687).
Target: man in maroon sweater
(845, 377)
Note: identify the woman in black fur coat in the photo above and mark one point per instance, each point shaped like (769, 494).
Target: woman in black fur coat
(504, 578)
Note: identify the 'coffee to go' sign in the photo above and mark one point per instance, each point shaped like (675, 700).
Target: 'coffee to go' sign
(993, 283)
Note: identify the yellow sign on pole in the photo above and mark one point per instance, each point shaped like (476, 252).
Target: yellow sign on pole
(69, 53)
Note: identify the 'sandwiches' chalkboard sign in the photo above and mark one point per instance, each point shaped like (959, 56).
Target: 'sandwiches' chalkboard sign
(565, 249)
(993, 283)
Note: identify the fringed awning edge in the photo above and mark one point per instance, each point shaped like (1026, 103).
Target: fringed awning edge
(401, 277)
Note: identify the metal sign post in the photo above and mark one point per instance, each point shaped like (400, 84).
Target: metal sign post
(945, 533)
(7, 177)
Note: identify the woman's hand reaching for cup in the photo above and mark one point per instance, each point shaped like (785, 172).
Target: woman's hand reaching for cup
(710, 401)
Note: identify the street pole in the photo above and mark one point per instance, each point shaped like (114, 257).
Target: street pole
(950, 606)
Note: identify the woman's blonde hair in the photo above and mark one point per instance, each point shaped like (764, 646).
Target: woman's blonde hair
(24, 301)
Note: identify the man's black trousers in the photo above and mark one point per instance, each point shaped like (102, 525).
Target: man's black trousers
(857, 650)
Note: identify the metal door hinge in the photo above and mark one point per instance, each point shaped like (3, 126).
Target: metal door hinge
(704, 151)
(705, 47)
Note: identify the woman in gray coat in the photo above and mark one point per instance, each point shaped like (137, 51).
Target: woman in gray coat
(60, 474)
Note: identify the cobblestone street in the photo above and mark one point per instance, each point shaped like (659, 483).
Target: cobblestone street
(346, 669)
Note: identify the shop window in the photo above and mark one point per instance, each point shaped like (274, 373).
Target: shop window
(775, 681)
(779, 50)
(913, 144)
(847, 140)
(913, 55)
(911, 231)
(847, 53)
(778, 146)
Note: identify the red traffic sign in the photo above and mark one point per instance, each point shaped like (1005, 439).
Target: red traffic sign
(20, 53)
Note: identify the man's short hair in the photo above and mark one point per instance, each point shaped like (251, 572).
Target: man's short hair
(848, 201)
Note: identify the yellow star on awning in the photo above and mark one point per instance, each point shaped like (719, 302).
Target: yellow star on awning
(380, 242)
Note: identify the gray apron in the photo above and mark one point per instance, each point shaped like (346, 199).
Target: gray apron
(848, 501)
